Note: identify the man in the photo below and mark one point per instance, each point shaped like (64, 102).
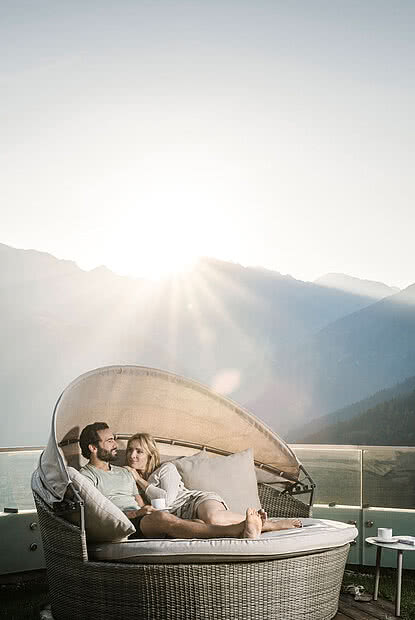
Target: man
(117, 483)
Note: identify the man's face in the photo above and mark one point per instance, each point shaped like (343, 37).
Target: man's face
(107, 447)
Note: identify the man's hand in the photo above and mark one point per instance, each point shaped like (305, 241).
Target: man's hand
(145, 510)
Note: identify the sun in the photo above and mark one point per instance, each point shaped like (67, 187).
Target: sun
(153, 260)
(162, 228)
(164, 264)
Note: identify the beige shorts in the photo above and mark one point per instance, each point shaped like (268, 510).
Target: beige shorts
(188, 510)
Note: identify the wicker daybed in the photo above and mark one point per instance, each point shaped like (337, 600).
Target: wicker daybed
(221, 579)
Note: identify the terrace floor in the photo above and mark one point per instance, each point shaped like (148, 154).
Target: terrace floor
(23, 598)
(25, 605)
(349, 609)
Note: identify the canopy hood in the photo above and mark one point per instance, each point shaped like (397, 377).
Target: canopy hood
(138, 399)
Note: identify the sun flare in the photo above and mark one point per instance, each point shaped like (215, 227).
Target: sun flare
(164, 264)
(154, 263)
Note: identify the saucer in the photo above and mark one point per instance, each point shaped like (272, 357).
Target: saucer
(392, 540)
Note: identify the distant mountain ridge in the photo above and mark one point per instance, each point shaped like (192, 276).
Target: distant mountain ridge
(355, 356)
(390, 423)
(57, 321)
(319, 425)
(343, 282)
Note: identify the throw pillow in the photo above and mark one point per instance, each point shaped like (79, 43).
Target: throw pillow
(232, 477)
(104, 521)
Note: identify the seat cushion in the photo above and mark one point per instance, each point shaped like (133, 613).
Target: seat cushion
(315, 535)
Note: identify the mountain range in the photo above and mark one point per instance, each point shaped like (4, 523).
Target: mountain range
(343, 282)
(334, 427)
(358, 354)
(288, 350)
(391, 422)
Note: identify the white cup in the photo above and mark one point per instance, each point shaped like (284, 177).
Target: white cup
(385, 533)
(159, 503)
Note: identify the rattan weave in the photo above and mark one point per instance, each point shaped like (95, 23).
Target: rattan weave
(278, 504)
(297, 588)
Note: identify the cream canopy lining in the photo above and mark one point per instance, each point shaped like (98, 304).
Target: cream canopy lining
(138, 399)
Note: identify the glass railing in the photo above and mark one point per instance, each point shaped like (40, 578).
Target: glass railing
(364, 476)
(336, 472)
(388, 477)
(16, 467)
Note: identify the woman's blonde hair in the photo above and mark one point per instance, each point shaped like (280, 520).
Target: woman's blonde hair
(147, 442)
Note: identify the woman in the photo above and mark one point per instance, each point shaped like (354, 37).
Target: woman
(155, 481)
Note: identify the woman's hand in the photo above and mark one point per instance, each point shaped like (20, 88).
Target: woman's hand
(140, 481)
(132, 471)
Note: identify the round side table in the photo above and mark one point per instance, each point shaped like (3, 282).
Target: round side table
(399, 548)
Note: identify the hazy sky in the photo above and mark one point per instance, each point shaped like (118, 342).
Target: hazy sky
(142, 133)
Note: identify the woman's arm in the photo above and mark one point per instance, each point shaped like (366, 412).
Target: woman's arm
(165, 483)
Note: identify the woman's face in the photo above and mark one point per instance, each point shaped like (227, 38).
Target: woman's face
(137, 456)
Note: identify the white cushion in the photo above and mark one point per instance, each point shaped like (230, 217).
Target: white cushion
(104, 521)
(232, 477)
(315, 535)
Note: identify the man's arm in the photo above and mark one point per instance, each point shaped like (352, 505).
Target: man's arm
(85, 471)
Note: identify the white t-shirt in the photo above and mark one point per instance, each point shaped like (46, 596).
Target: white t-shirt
(117, 484)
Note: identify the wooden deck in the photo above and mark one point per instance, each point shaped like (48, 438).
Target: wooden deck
(349, 609)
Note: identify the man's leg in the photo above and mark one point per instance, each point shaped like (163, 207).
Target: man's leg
(158, 524)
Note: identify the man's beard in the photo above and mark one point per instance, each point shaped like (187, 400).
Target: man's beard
(106, 455)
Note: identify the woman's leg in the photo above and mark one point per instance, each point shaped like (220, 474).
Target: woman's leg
(281, 524)
(213, 512)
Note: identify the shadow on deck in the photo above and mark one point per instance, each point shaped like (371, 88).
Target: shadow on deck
(373, 610)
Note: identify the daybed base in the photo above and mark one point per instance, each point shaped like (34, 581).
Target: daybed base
(298, 588)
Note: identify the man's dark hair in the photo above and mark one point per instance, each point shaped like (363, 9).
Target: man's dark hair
(90, 435)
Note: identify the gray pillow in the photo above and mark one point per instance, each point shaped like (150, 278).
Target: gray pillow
(104, 521)
(232, 477)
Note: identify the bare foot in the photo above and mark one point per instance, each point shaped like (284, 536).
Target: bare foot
(287, 524)
(281, 524)
(253, 524)
(263, 515)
